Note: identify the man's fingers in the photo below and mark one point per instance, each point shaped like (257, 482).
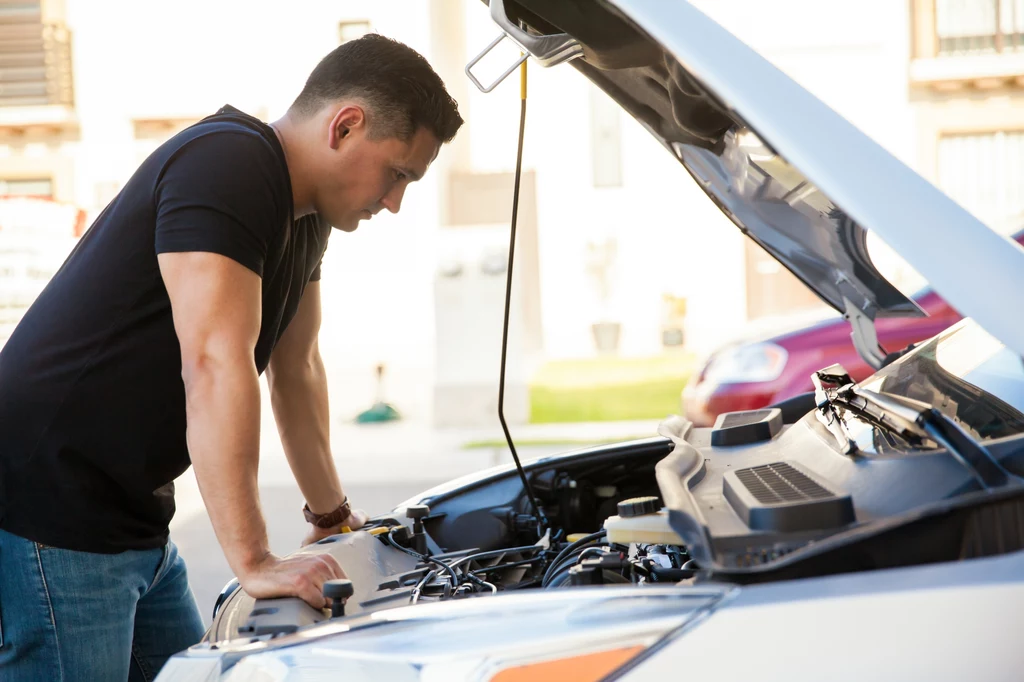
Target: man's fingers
(309, 585)
(333, 566)
(313, 596)
(322, 568)
(301, 576)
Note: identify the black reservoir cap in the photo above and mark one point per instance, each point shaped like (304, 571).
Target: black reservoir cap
(417, 511)
(638, 506)
(338, 589)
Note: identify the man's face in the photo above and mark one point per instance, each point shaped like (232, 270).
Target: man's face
(360, 175)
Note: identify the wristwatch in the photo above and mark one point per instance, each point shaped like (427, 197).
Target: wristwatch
(330, 519)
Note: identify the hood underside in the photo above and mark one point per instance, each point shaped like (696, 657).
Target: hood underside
(767, 152)
(771, 202)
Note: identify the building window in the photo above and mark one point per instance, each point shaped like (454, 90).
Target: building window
(36, 187)
(979, 26)
(350, 30)
(35, 57)
(984, 173)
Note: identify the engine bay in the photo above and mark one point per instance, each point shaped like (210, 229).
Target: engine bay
(752, 500)
(931, 474)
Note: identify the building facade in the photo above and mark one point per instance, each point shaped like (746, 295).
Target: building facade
(618, 250)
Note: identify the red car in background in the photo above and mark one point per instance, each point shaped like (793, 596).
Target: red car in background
(759, 373)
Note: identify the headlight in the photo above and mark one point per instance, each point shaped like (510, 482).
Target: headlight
(747, 363)
(581, 634)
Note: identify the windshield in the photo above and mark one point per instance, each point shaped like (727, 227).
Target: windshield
(966, 374)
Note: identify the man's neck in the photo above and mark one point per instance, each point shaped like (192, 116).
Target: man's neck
(288, 134)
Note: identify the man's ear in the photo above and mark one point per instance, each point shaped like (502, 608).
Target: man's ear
(346, 119)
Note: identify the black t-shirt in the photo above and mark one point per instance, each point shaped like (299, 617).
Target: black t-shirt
(92, 404)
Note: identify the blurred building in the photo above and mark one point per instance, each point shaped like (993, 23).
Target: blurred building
(967, 90)
(618, 250)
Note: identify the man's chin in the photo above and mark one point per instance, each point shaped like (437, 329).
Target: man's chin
(346, 226)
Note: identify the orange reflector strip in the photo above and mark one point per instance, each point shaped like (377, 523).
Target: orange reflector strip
(586, 668)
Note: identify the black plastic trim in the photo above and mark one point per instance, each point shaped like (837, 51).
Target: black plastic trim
(746, 428)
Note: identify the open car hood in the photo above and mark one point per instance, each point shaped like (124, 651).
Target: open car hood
(792, 174)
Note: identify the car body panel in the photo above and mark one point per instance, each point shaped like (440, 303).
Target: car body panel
(903, 624)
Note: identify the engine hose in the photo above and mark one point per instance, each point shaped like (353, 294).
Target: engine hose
(416, 591)
(671, 574)
(426, 559)
(582, 542)
(562, 578)
(495, 552)
(567, 563)
(571, 559)
(500, 567)
(482, 583)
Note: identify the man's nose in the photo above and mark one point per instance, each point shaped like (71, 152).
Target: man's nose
(392, 201)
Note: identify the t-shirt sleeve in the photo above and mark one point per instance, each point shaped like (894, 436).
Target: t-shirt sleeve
(315, 277)
(220, 193)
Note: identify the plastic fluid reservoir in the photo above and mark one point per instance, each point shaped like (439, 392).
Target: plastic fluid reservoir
(641, 520)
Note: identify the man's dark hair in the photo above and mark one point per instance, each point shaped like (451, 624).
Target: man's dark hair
(398, 86)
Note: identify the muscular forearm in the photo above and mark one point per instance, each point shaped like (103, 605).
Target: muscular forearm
(298, 394)
(222, 408)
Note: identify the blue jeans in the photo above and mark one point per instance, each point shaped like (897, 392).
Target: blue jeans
(67, 615)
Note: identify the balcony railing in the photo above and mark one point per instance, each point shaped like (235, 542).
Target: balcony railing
(973, 27)
(35, 57)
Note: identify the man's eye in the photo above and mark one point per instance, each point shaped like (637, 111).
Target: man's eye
(399, 175)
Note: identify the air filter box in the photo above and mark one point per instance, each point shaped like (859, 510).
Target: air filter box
(782, 497)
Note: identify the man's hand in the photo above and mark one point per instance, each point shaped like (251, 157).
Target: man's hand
(300, 576)
(355, 521)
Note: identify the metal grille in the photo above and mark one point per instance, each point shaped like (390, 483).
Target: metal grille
(779, 483)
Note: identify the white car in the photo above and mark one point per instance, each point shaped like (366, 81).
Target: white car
(878, 535)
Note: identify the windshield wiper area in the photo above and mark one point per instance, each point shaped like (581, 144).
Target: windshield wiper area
(917, 423)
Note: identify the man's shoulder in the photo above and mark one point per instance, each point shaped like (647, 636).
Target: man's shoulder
(225, 145)
(231, 119)
(229, 127)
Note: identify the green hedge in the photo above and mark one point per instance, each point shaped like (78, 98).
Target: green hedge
(612, 389)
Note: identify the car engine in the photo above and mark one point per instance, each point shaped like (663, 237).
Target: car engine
(752, 500)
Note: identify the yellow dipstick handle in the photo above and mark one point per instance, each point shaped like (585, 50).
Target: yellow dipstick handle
(522, 81)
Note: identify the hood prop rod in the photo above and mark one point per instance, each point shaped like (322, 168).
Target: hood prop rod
(508, 301)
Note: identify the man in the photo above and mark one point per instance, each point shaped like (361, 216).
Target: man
(143, 354)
